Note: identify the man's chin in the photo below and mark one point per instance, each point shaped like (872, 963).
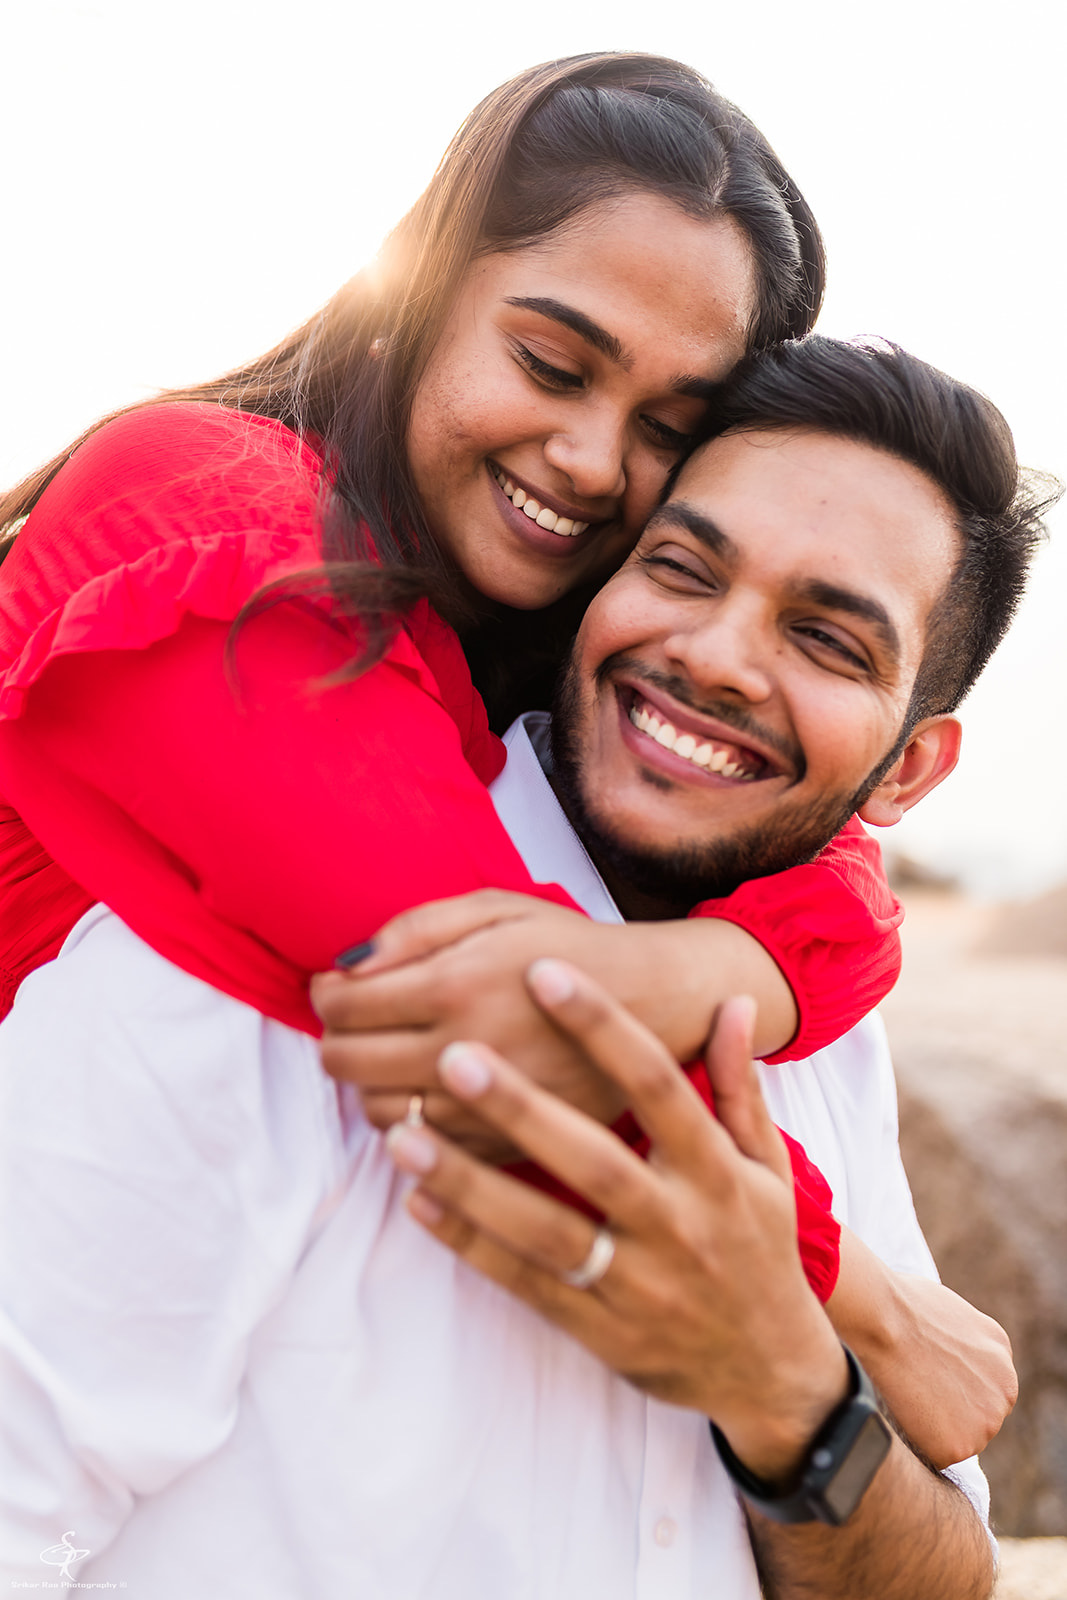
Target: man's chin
(667, 866)
(680, 871)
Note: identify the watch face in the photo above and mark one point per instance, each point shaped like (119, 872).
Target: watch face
(869, 1449)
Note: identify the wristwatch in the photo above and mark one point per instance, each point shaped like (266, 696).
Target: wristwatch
(838, 1468)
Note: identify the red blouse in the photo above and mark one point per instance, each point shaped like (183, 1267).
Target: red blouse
(150, 540)
(249, 825)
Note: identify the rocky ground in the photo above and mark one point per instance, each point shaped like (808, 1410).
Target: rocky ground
(978, 1026)
(1032, 1569)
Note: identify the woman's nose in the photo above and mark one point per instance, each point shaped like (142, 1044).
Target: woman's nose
(591, 454)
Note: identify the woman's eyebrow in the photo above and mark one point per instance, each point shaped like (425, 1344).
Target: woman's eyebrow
(578, 322)
(686, 383)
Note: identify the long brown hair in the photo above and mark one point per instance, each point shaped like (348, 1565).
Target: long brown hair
(535, 152)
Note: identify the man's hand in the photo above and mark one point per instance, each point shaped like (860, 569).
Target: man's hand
(705, 1303)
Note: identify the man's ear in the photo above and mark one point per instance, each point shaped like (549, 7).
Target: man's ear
(927, 759)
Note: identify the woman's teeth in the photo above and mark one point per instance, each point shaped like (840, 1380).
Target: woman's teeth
(708, 756)
(538, 513)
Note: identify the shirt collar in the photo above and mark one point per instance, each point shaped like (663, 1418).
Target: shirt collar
(527, 806)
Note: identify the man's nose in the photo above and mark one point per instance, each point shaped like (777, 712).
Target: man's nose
(591, 453)
(730, 652)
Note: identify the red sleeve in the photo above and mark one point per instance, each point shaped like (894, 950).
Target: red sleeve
(250, 841)
(818, 1230)
(832, 928)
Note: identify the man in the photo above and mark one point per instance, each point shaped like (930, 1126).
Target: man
(239, 1337)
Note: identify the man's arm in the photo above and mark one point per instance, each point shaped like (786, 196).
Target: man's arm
(914, 1535)
(704, 1303)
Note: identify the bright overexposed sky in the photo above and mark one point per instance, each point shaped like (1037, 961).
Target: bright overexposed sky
(183, 182)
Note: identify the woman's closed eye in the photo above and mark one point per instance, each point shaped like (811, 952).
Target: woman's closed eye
(559, 378)
(666, 437)
(544, 372)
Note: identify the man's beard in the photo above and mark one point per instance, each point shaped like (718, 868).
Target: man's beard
(683, 874)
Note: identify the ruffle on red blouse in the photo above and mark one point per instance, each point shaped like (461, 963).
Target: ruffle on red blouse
(187, 509)
(170, 510)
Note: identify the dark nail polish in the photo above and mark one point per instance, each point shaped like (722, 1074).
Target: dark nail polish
(354, 954)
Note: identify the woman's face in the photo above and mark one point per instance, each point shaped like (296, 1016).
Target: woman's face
(566, 382)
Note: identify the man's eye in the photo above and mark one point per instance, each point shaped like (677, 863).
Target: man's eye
(673, 574)
(555, 377)
(837, 647)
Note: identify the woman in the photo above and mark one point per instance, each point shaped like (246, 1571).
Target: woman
(604, 239)
(384, 433)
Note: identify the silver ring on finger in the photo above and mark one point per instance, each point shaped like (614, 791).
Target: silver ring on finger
(601, 1255)
(413, 1117)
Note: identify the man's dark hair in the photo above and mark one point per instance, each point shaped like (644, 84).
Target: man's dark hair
(878, 394)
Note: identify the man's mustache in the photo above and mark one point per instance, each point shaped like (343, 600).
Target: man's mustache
(741, 721)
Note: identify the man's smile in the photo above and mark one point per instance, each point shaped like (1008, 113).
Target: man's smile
(659, 728)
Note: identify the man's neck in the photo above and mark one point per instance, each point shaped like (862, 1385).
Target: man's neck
(635, 905)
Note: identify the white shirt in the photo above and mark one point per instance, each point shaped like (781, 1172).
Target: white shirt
(231, 1365)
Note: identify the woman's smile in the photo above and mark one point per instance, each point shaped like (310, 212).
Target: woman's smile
(562, 520)
(543, 524)
(566, 384)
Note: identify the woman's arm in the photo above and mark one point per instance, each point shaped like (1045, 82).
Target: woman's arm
(250, 839)
(944, 1368)
(455, 969)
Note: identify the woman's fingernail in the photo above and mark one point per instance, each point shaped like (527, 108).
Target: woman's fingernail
(551, 981)
(411, 1149)
(354, 954)
(464, 1070)
(424, 1208)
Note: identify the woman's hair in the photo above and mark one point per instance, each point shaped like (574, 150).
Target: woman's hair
(876, 393)
(535, 152)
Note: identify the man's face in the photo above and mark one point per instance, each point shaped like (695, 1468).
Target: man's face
(736, 688)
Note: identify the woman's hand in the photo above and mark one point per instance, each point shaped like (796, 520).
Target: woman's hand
(704, 1303)
(455, 969)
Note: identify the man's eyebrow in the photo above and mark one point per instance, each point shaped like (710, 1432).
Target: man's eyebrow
(834, 598)
(578, 322)
(683, 515)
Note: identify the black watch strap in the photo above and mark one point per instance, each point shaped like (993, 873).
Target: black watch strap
(838, 1468)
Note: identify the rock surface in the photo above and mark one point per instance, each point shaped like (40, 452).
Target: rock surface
(979, 1035)
(1032, 1569)
(1035, 928)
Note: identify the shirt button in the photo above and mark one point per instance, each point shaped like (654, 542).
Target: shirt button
(665, 1532)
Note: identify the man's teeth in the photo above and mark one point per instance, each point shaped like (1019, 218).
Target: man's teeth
(711, 757)
(538, 513)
